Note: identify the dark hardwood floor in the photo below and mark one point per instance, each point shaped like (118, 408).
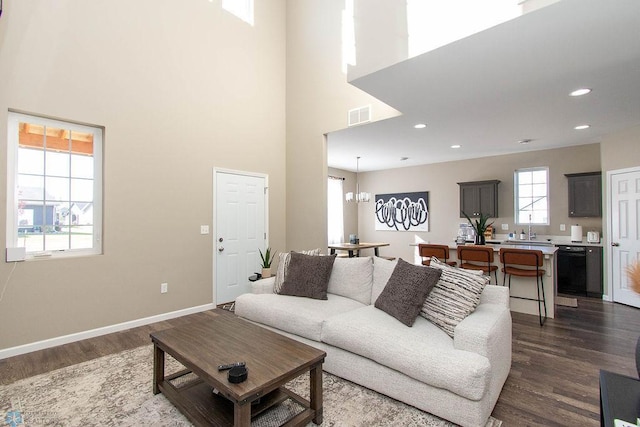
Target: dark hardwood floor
(553, 379)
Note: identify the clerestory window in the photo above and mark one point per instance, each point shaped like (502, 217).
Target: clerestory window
(243, 9)
(532, 196)
(54, 186)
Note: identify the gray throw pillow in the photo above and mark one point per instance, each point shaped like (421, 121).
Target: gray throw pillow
(406, 290)
(308, 276)
(283, 264)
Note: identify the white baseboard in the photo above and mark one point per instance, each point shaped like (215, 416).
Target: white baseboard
(65, 339)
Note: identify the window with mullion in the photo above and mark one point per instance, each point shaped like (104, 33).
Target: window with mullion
(57, 185)
(531, 196)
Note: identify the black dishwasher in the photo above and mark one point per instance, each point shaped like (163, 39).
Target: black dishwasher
(572, 269)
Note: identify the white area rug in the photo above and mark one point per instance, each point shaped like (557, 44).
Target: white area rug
(115, 390)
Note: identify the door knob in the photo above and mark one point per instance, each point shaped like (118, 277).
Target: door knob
(220, 249)
(615, 244)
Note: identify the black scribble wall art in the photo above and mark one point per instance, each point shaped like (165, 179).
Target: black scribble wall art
(402, 211)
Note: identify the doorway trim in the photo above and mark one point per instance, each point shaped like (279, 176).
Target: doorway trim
(214, 231)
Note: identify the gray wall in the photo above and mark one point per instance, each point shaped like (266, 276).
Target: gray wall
(618, 151)
(181, 88)
(318, 101)
(441, 182)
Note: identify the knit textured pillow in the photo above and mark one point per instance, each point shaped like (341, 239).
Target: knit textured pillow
(455, 296)
(283, 264)
(406, 290)
(308, 276)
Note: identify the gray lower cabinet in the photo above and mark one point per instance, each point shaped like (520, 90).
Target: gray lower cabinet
(585, 194)
(594, 271)
(479, 197)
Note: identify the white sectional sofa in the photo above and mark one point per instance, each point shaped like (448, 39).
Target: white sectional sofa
(458, 379)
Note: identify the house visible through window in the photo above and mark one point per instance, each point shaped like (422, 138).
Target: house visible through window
(55, 182)
(532, 196)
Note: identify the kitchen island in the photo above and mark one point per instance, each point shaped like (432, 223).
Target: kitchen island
(525, 287)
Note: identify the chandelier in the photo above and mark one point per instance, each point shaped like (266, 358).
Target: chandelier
(360, 196)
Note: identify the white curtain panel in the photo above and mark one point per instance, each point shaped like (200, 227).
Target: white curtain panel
(335, 197)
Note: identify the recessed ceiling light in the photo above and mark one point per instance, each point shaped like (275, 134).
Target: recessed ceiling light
(525, 141)
(580, 92)
(581, 127)
(420, 126)
(456, 146)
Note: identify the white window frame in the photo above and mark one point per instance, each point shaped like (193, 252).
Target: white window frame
(516, 193)
(14, 119)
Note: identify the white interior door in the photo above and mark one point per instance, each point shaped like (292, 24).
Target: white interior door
(624, 190)
(240, 231)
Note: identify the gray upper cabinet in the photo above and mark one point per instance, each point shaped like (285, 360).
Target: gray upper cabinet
(585, 194)
(479, 197)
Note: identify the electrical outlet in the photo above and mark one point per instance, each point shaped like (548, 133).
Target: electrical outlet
(563, 227)
(505, 226)
(164, 288)
(204, 229)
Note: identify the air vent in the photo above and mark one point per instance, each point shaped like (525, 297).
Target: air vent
(360, 115)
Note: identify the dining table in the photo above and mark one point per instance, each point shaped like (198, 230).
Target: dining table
(353, 249)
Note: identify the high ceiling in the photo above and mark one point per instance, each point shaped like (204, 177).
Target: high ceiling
(503, 85)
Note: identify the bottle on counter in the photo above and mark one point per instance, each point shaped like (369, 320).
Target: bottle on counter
(522, 235)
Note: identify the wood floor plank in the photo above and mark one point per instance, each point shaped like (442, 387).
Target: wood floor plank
(554, 374)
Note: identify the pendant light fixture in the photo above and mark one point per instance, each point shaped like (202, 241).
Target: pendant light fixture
(360, 196)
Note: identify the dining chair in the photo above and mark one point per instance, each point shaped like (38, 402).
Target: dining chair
(525, 263)
(478, 257)
(427, 250)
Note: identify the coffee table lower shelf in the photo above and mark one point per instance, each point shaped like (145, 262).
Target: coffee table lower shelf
(196, 400)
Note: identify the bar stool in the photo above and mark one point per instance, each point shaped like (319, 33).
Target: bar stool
(439, 251)
(532, 260)
(478, 254)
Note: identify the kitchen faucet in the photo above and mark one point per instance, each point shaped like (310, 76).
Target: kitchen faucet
(531, 235)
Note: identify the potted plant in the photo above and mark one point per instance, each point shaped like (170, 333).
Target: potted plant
(267, 259)
(480, 226)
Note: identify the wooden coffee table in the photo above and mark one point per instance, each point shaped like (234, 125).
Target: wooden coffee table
(271, 360)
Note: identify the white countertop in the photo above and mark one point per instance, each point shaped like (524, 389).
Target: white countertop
(553, 240)
(547, 244)
(545, 249)
(542, 239)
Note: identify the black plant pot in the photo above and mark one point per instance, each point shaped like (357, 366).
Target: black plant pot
(480, 240)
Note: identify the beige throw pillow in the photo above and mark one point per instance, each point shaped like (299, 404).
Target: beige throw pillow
(352, 278)
(454, 297)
